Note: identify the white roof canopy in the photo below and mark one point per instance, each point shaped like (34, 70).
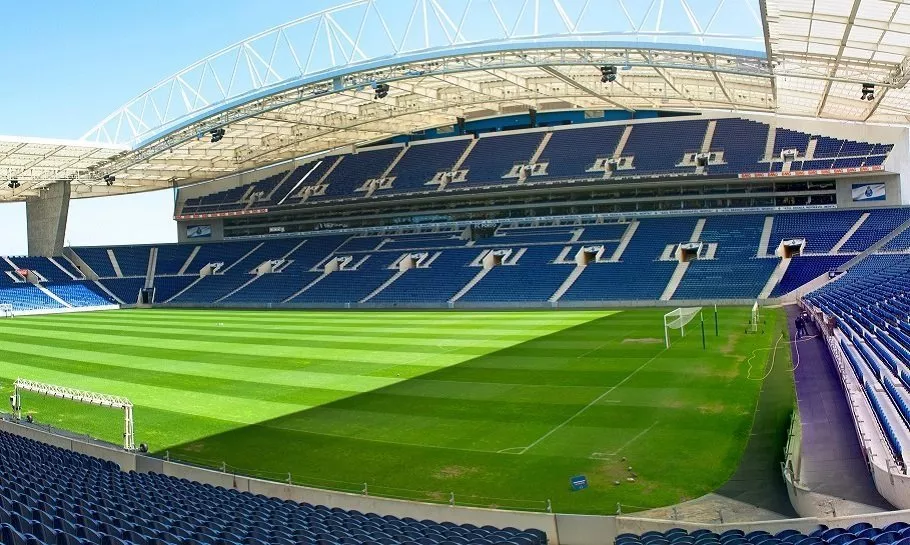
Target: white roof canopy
(308, 86)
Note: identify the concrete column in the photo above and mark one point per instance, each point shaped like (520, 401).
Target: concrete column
(46, 218)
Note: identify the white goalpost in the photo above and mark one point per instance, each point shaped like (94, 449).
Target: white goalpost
(79, 396)
(755, 319)
(677, 319)
(6, 310)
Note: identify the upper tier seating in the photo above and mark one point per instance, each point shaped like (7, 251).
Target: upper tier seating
(422, 161)
(53, 496)
(570, 153)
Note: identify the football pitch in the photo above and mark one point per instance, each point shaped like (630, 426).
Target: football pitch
(499, 408)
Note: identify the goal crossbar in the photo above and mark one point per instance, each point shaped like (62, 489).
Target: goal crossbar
(79, 396)
(677, 319)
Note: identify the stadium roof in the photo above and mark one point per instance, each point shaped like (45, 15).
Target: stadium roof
(309, 85)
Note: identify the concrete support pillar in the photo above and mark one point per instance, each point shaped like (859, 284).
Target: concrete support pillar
(46, 217)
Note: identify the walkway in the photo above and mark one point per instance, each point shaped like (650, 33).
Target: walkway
(832, 462)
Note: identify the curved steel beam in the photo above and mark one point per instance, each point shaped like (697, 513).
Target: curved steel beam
(362, 33)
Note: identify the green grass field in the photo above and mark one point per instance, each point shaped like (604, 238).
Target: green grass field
(501, 408)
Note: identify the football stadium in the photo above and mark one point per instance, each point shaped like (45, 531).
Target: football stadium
(457, 272)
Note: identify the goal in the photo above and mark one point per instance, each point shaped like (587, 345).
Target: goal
(755, 318)
(6, 310)
(677, 319)
(79, 396)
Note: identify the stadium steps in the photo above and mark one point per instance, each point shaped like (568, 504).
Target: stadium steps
(186, 264)
(243, 258)
(769, 143)
(775, 278)
(541, 148)
(305, 288)
(709, 136)
(184, 290)
(330, 170)
(840, 243)
(765, 239)
(395, 161)
(383, 286)
(467, 287)
(80, 264)
(153, 264)
(621, 145)
(875, 247)
(114, 264)
(675, 280)
(111, 294)
(810, 149)
(245, 284)
(625, 240)
(567, 283)
(699, 227)
(52, 295)
(62, 268)
(464, 156)
(682, 266)
(268, 198)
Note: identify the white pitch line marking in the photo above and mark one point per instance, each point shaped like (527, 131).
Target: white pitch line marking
(591, 404)
(639, 435)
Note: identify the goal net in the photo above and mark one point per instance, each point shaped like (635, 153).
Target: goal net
(677, 319)
(6, 310)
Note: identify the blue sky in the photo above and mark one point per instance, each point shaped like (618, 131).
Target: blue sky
(67, 65)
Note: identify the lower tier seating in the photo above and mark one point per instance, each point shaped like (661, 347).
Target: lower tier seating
(51, 496)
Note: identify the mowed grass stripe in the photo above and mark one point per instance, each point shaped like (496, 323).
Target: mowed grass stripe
(414, 344)
(390, 320)
(191, 402)
(297, 387)
(371, 353)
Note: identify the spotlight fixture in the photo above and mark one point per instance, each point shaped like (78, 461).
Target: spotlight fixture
(607, 74)
(13, 184)
(868, 92)
(381, 90)
(217, 134)
(109, 180)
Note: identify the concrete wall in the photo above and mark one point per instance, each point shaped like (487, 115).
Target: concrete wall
(46, 217)
(893, 190)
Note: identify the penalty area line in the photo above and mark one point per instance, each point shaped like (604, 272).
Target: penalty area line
(522, 450)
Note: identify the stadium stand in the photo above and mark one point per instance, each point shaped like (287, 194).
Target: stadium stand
(860, 533)
(804, 269)
(735, 272)
(737, 145)
(51, 496)
(638, 262)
